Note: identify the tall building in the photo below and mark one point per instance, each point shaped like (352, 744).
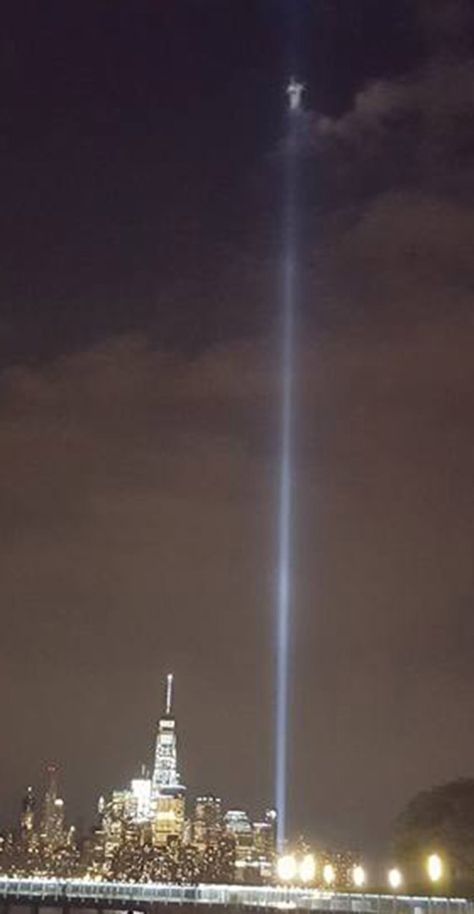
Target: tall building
(114, 817)
(53, 811)
(167, 792)
(165, 770)
(27, 817)
(207, 821)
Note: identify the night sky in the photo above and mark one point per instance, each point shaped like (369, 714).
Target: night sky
(142, 148)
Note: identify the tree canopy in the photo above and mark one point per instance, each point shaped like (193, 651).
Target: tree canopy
(439, 820)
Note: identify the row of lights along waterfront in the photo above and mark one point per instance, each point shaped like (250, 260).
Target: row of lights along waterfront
(292, 870)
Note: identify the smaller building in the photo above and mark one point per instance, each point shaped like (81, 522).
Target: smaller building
(264, 842)
(168, 815)
(141, 792)
(238, 825)
(207, 821)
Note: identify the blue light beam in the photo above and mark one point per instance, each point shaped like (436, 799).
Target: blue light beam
(285, 490)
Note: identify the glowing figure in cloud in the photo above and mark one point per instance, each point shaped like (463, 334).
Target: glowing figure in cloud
(294, 91)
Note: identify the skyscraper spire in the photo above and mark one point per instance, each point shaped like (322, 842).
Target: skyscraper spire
(169, 694)
(165, 769)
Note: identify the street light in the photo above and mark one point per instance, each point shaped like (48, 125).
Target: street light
(434, 865)
(395, 878)
(307, 868)
(286, 868)
(329, 874)
(359, 876)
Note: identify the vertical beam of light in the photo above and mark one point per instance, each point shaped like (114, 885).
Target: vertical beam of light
(289, 276)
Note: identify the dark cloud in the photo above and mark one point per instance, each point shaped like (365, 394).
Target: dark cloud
(443, 90)
(404, 258)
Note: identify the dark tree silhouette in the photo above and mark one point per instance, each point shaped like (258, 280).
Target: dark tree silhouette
(439, 820)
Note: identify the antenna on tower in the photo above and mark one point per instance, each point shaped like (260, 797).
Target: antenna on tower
(169, 693)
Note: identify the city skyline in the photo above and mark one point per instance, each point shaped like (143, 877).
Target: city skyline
(149, 829)
(159, 778)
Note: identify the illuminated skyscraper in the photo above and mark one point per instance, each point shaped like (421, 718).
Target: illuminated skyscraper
(167, 793)
(53, 812)
(165, 771)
